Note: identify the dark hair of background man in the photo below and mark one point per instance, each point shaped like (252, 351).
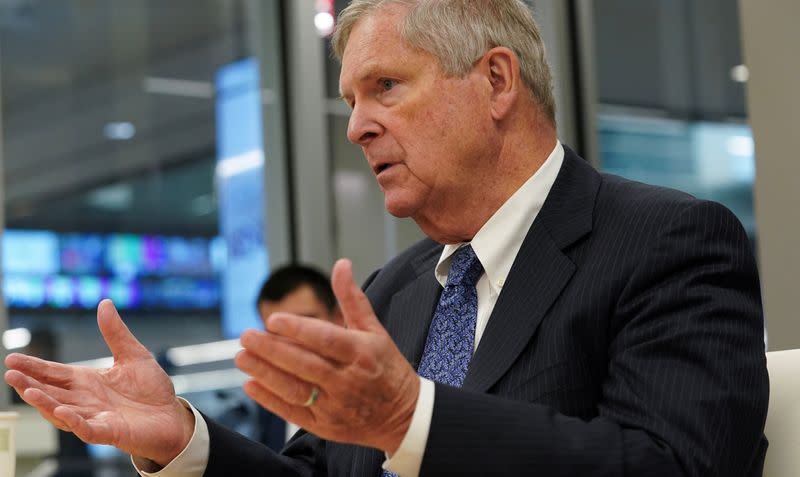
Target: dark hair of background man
(285, 280)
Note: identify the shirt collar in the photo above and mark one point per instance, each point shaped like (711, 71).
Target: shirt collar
(497, 243)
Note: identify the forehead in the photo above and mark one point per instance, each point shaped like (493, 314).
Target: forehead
(375, 43)
(302, 298)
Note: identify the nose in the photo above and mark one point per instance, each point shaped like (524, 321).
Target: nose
(362, 127)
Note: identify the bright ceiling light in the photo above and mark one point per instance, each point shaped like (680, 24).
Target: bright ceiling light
(178, 87)
(119, 130)
(16, 338)
(740, 73)
(115, 197)
(323, 22)
(204, 352)
(235, 165)
(324, 19)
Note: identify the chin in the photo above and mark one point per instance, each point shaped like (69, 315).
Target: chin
(399, 208)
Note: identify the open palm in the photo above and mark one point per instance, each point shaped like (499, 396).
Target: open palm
(131, 406)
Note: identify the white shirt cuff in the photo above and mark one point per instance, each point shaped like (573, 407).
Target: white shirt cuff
(407, 460)
(192, 461)
(291, 430)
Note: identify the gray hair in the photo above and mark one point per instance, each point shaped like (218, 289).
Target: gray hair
(459, 32)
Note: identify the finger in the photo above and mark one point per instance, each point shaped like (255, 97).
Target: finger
(45, 405)
(355, 305)
(16, 379)
(64, 417)
(92, 432)
(300, 415)
(289, 388)
(21, 382)
(49, 372)
(323, 338)
(123, 345)
(288, 356)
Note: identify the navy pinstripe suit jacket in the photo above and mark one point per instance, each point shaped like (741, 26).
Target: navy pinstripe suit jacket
(627, 341)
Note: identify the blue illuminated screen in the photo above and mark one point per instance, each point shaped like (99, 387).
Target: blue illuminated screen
(77, 270)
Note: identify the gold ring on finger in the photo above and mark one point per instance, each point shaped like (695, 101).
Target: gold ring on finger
(312, 398)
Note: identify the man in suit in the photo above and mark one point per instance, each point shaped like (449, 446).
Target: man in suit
(558, 322)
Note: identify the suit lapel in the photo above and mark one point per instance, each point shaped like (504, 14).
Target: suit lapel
(411, 311)
(367, 462)
(540, 272)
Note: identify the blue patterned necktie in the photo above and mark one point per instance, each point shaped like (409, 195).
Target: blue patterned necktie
(451, 337)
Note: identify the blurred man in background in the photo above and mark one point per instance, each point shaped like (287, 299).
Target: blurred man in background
(300, 290)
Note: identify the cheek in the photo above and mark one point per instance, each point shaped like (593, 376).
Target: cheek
(433, 145)
(435, 135)
(434, 125)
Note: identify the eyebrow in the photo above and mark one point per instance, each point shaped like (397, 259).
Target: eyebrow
(370, 70)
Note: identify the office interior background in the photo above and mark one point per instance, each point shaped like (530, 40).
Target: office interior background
(168, 154)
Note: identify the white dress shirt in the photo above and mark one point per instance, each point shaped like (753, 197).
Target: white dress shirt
(496, 245)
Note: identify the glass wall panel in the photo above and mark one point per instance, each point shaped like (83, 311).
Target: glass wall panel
(670, 85)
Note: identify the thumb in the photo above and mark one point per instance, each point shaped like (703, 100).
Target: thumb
(123, 345)
(353, 303)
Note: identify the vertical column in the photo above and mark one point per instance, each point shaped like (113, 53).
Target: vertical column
(308, 135)
(553, 19)
(585, 90)
(571, 57)
(264, 36)
(770, 35)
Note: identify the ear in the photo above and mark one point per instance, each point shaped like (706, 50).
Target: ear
(501, 68)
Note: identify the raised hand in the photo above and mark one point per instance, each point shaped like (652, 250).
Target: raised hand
(131, 406)
(343, 384)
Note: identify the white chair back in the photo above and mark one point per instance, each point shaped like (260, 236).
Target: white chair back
(783, 418)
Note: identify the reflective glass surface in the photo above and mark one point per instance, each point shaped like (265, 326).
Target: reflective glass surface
(670, 83)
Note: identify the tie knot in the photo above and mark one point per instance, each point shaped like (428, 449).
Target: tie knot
(465, 269)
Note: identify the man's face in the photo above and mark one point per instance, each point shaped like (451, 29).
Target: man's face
(302, 301)
(425, 135)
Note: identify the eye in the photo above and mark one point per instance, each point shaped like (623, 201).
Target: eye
(387, 84)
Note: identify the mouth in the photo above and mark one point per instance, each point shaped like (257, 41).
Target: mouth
(380, 167)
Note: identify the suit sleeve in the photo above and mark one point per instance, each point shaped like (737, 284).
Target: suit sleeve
(233, 454)
(686, 391)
